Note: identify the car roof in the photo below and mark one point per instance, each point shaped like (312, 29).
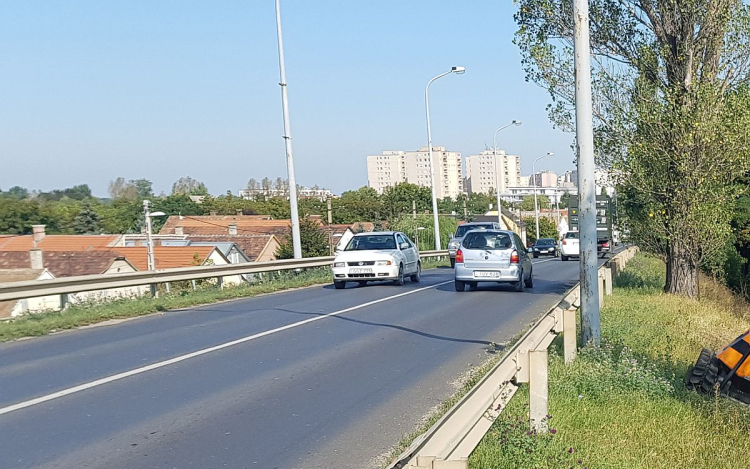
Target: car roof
(493, 230)
(378, 233)
(478, 223)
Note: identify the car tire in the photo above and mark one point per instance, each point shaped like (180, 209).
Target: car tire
(418, 275)
(453, 262)
(520, 285)
(529, 283)
(563, 258)
(339, 285)
(460, 286)
(536, 255)
(473, 285)
(400, 280)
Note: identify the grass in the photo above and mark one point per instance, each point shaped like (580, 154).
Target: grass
(624, 405)
(86, 314)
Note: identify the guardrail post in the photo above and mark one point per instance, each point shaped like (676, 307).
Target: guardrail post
(462, 463)
(166, 286)
(601, 289)
(154, 290)
(538, 390)
(569, 335)
(220, 282)
(607, 280)
(64, 301)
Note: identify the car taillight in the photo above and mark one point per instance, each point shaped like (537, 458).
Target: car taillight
(459, 257)
(514, 257)
(605, 244)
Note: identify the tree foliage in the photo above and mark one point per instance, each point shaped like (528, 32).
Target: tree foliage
(189, 186)
(671, 109)
(313, 241)
(527, 204)
(547, 229)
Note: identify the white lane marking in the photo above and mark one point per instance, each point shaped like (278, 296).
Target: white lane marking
(542, 262)
(126, 374)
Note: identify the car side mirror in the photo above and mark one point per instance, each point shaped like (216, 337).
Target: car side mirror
(404, 246)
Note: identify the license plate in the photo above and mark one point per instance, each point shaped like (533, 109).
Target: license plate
(487, 274)
(360, 271)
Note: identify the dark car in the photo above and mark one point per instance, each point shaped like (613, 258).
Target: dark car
(545, 247)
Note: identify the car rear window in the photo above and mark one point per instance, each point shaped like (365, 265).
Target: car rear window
(571, 235)
(371, 242)
(487, 241)
(545, 242)
(461, 231)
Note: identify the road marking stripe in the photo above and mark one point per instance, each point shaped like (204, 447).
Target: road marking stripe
(542, 262)
(126, 374)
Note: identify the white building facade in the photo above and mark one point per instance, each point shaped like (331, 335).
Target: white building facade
(394, 167)
(487, 171)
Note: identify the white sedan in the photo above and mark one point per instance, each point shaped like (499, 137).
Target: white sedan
(570, 245)
(376, 256)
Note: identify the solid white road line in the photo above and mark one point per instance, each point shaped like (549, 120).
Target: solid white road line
(154, 366)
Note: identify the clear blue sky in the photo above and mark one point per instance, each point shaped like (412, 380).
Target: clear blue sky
(156, 89)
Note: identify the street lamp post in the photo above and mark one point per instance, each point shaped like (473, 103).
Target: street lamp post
(457, 71)
(148, 215)
(497, 167)
(296, 242)
(533, 176)
(416, 236)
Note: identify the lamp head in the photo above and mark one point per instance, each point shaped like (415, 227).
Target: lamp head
(515, 122)
(550, 154)
(458, 70)
(157, 214)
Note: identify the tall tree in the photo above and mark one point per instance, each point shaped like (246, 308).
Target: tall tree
(671, 110)
(122, 189)
(313, 241)
(189, 186)
(87, 220)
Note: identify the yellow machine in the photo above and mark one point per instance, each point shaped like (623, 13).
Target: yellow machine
(727, 373)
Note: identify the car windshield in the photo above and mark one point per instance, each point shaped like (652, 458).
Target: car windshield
(571, 235)
(461, 231)
(545, 242)
(371, 242)
(487, 241)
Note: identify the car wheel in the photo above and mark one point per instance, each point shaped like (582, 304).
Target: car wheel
(339, 285)
(400, 280)
(529, 282)
(453, 262)
(564, 258)
(520, 285)
(536, 255)
(473, 285)
(460, 286)
(417, 276)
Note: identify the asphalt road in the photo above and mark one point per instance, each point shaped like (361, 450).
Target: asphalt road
(311, 378)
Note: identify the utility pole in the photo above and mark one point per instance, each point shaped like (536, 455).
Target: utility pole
(296, 245)
(330, 212)
(414, 209)
(590, 321)
(150, 251)
(466, 212)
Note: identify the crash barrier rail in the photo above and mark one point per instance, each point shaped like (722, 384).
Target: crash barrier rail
(448, 443)
(86, 283)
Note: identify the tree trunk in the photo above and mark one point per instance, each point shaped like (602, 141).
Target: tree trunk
(682, 273)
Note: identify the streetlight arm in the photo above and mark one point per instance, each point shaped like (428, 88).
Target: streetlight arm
(497, 169)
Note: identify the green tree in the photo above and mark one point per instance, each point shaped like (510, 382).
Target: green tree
(189, 186)
(671, 112)
(313, 241)
(528, 202)
(87, 220)
(426, 236)
(15, 192)
(547, 229)
(397, 200)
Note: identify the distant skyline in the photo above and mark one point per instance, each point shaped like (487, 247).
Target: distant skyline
(93, 90)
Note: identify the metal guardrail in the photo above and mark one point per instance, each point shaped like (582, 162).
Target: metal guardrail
(85, 283)
(448, 443)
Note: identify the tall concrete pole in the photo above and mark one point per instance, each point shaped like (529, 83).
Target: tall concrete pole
(456, 70)
(149, 240)
(590, 322)
(296, 245)
(533, 177)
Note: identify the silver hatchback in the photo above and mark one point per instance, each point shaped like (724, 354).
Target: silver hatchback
(492, 256)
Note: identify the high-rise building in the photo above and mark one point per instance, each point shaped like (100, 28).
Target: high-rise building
(544, 179)
(486, 171)
(393, 167)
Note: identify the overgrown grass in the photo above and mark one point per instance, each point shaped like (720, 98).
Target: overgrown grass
(624, 405)
(82, 315)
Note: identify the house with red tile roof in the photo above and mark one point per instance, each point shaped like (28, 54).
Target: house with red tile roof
(15, 308)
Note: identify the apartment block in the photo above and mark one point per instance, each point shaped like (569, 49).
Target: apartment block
(544, 179)
(487, 171)
(394, 167)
